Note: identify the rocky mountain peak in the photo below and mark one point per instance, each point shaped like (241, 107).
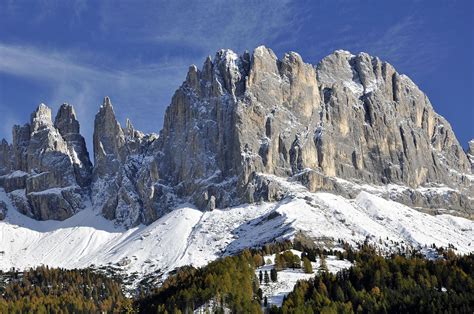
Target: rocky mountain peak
(66, 121)
(108, 137)
(68, 126)
(49, 166)
(470, 147)
(193, 77)
(132, 134)
(41, 118)
(107, 103)
(124, 171)
(352, 117)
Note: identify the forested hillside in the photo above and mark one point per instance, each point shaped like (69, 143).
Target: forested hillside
(376, 284)
(399, 283)
(389, 285)
(48, 290)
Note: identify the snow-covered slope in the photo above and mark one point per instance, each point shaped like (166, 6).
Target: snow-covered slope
(189, 236)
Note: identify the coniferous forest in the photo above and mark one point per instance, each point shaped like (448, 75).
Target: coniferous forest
(49, 290)
(398, 283)
(388, 285)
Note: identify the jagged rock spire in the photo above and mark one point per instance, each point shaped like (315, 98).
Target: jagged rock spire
(122, 187)
(69, 128)
(41, 118)
(108, 138)
(5, 157)
(66, 120)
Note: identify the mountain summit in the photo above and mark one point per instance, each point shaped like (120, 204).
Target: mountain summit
(239, 130)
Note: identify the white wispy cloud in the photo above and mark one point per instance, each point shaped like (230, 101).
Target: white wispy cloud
(140, 88)
(405, 48)
(140, 92)
(203, 25)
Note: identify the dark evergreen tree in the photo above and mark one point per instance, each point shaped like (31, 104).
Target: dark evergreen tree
(266, 279)
(273, 275)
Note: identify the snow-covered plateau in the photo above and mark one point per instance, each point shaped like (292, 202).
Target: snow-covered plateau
(188, 236)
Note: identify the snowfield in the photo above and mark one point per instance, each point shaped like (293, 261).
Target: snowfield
(188, 236)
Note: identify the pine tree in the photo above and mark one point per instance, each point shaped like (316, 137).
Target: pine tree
(266, 279)
(308, 268)
(260, 277)
(273, 275)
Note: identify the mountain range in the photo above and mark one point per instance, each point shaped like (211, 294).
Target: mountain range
(253, 148)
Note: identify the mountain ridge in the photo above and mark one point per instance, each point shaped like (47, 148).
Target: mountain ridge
(232, 124)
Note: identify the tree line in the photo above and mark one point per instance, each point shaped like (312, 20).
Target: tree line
(398, 283)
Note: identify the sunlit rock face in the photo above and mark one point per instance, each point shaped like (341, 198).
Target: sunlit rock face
(351, 117)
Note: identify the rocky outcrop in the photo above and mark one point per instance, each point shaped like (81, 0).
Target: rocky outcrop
(385, 128)
(198, 142)
(50, 165)
(5, 157)
(352, 117)
(470, 154)
(123, 175)
(3, 210)
(68, 126)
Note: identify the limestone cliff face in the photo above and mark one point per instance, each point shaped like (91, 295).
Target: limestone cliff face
(199, 142)
(49, 165)
(352, 117)
(5, 157)
(385, 128)
(238, 130)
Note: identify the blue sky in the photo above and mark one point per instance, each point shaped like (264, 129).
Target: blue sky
(138, 54)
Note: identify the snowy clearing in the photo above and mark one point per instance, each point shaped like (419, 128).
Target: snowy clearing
(287, 278)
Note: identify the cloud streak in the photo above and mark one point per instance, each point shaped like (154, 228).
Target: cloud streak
(141, 91)
(161, 44)
(202, 25)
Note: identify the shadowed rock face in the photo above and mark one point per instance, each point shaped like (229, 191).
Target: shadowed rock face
(470, 154)
(68, 126)
(235, 127)
(124, 172)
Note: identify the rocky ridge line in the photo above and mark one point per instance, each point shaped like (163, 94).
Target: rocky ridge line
(237, 130)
